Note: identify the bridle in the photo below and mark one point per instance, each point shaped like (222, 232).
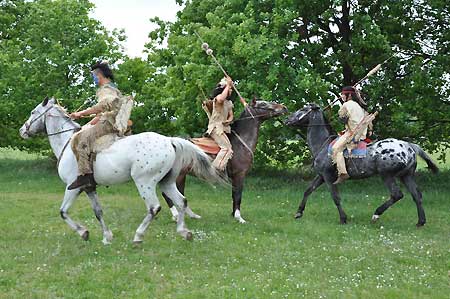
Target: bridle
(309, 125)
(270, 114)
(44, 114)
(28, 125)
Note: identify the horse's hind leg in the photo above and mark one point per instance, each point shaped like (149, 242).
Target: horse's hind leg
(69, 198)
(170, 189)
(411, 185)
(181, 183)
(147, 190)
(318, 180)
(171, 206)
(396, 195)
(96, 207)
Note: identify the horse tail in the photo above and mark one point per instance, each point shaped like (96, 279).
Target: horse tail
(431, 165)
(189, 156)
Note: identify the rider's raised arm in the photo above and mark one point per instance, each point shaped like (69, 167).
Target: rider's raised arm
(226, 91)
(224, 95)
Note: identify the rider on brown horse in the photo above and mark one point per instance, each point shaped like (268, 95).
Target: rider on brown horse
(220, 113)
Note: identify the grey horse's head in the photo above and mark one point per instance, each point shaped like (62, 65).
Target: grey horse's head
(265, 110)
(36, 122)
(300, 118)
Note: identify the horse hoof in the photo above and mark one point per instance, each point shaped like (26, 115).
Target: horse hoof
(195, 216)
(420, 225)
(298, 215)
(343, 221)
(189, 236)
(375, 218)
(107, 237)
(85, 235)
(137, 243)
(241, 220)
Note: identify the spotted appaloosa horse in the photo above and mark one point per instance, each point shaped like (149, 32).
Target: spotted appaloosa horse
(244, 137)
(389, 158)
(149, 159)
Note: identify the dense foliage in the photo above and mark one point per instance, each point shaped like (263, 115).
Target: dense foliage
(288, 51)
(46, 48)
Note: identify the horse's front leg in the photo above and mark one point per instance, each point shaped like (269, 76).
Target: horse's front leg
(95, 203)
(69, 198)
(318, 180)
(238, 187)
(337, 201)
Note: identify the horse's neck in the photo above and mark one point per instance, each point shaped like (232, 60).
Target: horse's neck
(317, 133)
(248, 130)
(55, 124)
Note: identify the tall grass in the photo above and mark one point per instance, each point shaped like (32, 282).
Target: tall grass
(272, 256)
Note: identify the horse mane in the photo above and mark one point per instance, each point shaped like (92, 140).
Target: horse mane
(328, 126)
(243, 114)
(63, 109)
(66, 114)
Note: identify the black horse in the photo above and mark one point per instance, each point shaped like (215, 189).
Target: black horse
(390, 158)
(244, 137)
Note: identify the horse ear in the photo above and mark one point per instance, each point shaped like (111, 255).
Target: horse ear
(253, 103)
(314, 106)
(45, 101)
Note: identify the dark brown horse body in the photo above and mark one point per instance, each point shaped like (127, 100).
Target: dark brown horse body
(243, 138)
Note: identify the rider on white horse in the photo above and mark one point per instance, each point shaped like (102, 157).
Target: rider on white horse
(110, 101)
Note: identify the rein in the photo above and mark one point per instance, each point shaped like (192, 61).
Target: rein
(321, 125)
(52, 134)
(243, 143)
(27, 126)
(253, 117)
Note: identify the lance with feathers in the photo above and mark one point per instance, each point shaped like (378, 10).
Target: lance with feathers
(209, 52)
(370, 73)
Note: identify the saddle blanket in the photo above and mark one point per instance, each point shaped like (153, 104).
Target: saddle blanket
(359, 151)
(206, 144)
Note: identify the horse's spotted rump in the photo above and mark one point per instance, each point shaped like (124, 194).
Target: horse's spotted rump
(397, 151)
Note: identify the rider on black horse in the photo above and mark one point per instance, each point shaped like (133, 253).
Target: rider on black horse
(352, 115)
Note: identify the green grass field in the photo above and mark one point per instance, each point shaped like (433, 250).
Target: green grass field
(272, 256)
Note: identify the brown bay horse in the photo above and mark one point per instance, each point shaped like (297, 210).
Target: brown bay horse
(244, 138)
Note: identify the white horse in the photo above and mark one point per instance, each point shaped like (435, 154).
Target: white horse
(147, 158)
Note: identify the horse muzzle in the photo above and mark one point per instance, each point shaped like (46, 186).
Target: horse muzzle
(23, 132)
(288, 122)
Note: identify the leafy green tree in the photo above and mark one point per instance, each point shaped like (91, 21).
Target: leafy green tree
(47, 48)
(304, 51)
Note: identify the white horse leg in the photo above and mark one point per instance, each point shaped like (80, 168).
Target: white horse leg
(148, 193)
(191, 214)
(171, 190)
(96, 207)
(238, 217)
(175, 213)
(69, 198)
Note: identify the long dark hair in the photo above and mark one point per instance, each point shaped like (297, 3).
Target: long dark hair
(104, 68)
(218, 90)
(356, 96)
